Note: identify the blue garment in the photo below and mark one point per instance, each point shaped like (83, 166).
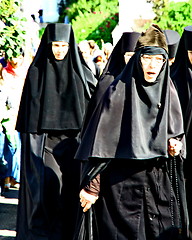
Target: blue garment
(16, 158)
(3, 62)
(3, 163)
(12, 155)
(2, 143)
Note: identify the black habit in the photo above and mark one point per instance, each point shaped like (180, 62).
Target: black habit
(52, 108)
(181, 74)
(142, 192)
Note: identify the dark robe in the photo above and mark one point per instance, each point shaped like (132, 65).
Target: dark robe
(52, 108)
(142, 189)
(181, 74)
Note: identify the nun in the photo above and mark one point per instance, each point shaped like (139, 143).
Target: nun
(173, 39)
(181, 73)
(121, 54)
(57, 90)
(133, 149)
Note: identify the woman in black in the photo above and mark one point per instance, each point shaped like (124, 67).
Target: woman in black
(54, 100)
(133, 150)
(118, 59)
(181, 74)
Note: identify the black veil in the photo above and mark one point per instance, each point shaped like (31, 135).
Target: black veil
(52, 85)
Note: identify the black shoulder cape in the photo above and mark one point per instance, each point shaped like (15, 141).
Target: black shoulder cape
(55, 93)
(134, 119)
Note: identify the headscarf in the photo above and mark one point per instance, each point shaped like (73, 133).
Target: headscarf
(172, 38)
(134, 118)
(116, 62)
(56, 92)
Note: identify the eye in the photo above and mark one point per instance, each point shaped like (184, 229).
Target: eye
(147, 58)
(159, 59)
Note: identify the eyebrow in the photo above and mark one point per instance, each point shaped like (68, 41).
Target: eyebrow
(151, 56)
(57, 44)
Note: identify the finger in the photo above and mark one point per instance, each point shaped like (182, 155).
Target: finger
(82, 199)
(83, 203)
(172, 153)
(87, 207)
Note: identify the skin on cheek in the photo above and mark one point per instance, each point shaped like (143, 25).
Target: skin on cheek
(190, 56)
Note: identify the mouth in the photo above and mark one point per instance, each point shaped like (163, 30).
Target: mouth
(151, 74)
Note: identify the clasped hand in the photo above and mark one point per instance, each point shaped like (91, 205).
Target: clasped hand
(86, 200)
(174, 147)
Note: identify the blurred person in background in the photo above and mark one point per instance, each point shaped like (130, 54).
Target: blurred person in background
(85, 51)
(173, 39)
(13, 77)
(181, 74)
(107, 49)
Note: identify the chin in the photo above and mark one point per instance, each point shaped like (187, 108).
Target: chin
(151, 79)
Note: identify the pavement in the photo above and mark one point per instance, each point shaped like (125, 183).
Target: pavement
(8, 214)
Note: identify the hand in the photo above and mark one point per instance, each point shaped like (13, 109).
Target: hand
(174, 147)
(86, 200)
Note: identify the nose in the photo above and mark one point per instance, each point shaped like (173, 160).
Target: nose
(152, 63)
(59, 49)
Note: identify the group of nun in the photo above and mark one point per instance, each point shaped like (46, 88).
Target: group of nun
(107, 158)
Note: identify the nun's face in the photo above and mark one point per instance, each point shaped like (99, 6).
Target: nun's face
(190, 55)
(152, 65)
(60, 49)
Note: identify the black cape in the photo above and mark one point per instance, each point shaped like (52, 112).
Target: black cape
(134, 119)
(52, 85)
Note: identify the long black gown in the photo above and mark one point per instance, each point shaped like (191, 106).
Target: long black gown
(52, 108)
(181, 74)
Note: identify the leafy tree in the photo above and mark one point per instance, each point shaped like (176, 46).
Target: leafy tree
(172, 15)
(158, 7)
(93, 19)
(12, 33)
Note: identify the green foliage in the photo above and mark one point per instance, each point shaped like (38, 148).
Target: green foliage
(175, 16)
(8, 8)
(158, 7)
(12, 34)
(41, 31)
(93, 20)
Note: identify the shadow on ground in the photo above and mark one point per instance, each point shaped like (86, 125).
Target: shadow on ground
(8, 214)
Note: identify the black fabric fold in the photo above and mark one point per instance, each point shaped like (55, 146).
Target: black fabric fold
(52, 85)
(134, 119)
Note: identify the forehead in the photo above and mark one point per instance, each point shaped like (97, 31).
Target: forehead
(128, 53)
(60, 43)
(154, 55)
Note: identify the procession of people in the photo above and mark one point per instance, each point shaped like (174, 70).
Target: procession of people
(98, 143)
